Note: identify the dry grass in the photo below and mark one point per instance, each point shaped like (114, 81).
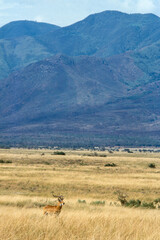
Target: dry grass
(111, 224)
(26, 185)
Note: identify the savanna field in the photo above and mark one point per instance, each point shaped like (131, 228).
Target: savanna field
(89, 182)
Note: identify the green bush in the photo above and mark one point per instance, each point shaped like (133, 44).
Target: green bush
(152, 165)
(110, 165)
(59, 153)
(98, 203)
(128, 150)
(138, 203)
(133, 203)
(2, 161)
(81, 201)
(8, 161)
(95, 154)
(157, 200)
(102, 155)
(148, 205)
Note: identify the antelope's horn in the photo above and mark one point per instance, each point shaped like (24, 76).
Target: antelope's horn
(61, 197)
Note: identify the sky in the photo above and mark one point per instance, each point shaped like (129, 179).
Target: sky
(66, 12)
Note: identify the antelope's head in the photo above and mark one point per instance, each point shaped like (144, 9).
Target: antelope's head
(60, 200)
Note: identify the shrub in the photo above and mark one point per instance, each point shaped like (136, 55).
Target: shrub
(46, 163)
(127, 150)
(110, 165)
(102, 155)
(157, 200)
(95, 154)
(152, 165)
(59, 153)
(81, 201)
(133, 203)
(8, 161)
(148, 205)
(2, 161)
(98, 203)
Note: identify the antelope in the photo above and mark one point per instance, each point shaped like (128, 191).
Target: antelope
(122, 198)
(49, 209)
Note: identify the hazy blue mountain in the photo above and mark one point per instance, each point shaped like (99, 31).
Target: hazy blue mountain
(104, 34)
(25, 28)
(98, 78)
(148, 60)
(78, 94)
(59, 85)
(19, 45)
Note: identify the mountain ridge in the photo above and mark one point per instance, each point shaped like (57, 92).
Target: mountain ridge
(98, 79)
(103, 34)
(21, 28)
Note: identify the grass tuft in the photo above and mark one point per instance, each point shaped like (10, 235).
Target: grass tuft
(97, 203)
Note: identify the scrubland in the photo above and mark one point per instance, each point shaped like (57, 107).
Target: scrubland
(28, 178)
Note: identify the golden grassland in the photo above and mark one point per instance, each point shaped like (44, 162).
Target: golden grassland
(26, 185)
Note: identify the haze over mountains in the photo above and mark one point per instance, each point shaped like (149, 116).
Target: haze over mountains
(96, 82)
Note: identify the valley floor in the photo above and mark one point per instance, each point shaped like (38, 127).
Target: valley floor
(92, 210)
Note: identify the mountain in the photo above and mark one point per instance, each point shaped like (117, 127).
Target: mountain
(78, 94)
(148, 59)
(19, 45)
(95, 82)
(104, 34)
(25, 28)
(51, 86)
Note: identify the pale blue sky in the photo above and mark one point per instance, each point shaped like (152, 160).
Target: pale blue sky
(66, 12)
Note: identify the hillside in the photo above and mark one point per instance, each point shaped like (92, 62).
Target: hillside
(95, 82)
(25, 28)
(78, 94)
(104, 34)
(19, 45)
(61, 84)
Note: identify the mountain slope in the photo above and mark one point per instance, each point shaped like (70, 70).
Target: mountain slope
(148, 60)
(80, 101)
(25, 28)
(104, 34)
(104, 89)
(65, 86)
(19, 45)
(57, 83)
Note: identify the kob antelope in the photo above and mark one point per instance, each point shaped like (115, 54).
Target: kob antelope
(49, 209)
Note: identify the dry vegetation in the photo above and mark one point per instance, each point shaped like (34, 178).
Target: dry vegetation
(26, 185)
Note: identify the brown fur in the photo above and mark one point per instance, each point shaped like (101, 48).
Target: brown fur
(49, 209)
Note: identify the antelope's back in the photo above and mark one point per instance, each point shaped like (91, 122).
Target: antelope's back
(50, 208)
